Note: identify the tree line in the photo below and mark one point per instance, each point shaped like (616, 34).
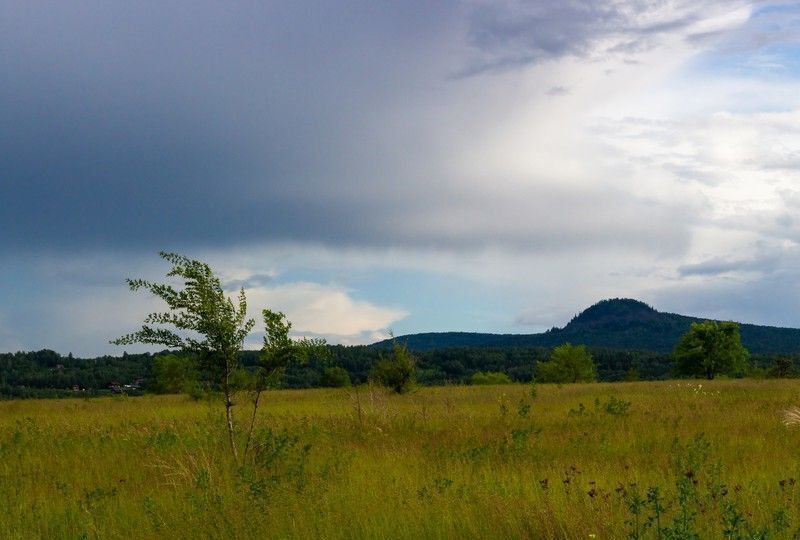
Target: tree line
(46, 373)
(214, 360)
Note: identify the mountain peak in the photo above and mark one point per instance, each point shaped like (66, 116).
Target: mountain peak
(613, 312)
(619, 323)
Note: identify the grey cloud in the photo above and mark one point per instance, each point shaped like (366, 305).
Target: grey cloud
(700, 38)
(514, 34)
(780, 161)
(546, 217)
(718, 266)
(631, 47)
(139, 125)
(255, 280)
(772, 300)
(557, 91)
(687, 169)
(763, 288)
(194, 124)
(784, 225)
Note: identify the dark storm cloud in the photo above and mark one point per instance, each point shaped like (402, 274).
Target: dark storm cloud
(127, 124)
(169, 125)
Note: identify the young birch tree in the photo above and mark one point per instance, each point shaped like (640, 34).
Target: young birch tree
(277, 353)
(202, 321)
(209, 325)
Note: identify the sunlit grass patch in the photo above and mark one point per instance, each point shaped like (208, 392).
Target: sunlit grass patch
(484, 461)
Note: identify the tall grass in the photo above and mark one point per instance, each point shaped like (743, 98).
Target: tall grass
(468, 462)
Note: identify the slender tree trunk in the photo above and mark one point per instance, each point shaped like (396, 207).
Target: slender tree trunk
(252, 423)
(229, 412)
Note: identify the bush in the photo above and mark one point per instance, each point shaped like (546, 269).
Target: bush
(783, 368)
(397, 372)
(568, 364)
(489, 377)
(335, 377)
(174, 374)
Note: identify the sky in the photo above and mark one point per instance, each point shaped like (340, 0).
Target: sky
(366, 167)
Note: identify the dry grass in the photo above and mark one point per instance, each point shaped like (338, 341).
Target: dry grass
(791, 416)
(467, 462)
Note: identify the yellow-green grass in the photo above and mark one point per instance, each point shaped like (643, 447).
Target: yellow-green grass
(446, 462)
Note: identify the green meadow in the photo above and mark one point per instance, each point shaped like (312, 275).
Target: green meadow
(625, 460)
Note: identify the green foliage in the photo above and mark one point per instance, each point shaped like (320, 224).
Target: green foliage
(783, 368)
(279, 351)
(45, 374)
(173, 374)
(201, 321)
(631, 375)
(568, 364)
(279, 460)
(710, 348)
(335, 377)
(490, 377)
(397, 372)
(616, 406)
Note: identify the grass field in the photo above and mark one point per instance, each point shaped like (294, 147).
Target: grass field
(576, 461)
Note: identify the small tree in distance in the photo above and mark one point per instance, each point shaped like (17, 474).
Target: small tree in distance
(396, 372)
(710, 348)
(568, 364)
(173, 374)
(335, 377)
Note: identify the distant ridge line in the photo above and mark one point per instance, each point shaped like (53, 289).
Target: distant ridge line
(620, 323)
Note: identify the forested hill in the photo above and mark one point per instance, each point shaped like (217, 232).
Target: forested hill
(616, 323)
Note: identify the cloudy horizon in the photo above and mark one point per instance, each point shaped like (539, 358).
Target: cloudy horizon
(476, 165)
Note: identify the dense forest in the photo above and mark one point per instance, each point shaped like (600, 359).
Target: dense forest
(627, 338)
(48, 374)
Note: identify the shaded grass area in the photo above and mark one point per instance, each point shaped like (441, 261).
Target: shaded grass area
(443, 462)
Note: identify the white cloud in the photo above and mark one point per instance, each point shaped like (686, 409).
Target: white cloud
(89, 317)
(93, 309)
(327, 311)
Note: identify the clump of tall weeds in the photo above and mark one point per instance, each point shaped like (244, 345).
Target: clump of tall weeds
(672, 513)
